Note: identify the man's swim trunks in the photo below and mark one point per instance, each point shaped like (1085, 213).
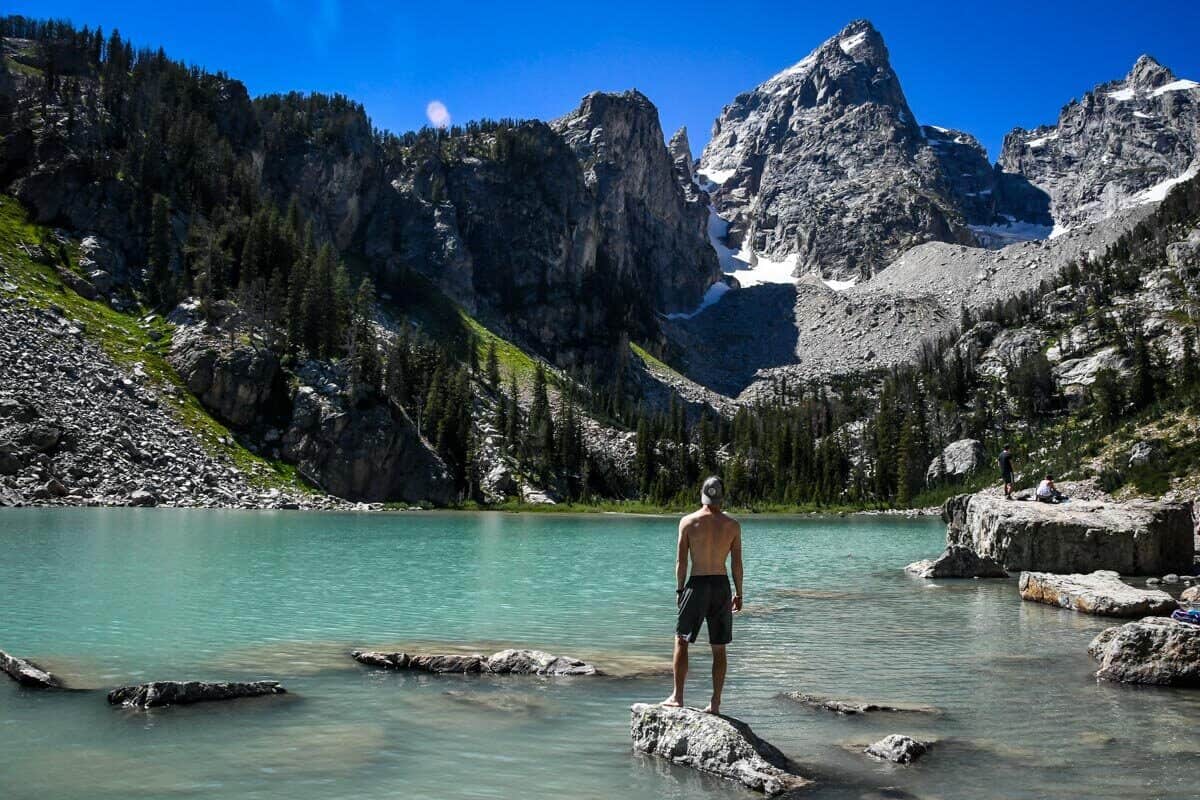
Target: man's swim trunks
(707, 598)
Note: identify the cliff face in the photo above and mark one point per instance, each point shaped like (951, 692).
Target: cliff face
(653, 233)
(506, 225)
(824, 162)
(1123, 144)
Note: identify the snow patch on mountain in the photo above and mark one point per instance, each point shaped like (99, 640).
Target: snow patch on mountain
(1013, 231)
(1159, 191)
(1175, 86)
(851, 42)
(714, 294)
(750, 268)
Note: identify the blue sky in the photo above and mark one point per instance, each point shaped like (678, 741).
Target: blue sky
(981, 67)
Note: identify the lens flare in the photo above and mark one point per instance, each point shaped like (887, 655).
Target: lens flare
(438, 114)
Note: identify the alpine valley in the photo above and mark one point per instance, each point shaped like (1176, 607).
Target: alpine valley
(208, 299)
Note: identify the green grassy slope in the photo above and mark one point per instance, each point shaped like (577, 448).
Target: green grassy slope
(126, 338)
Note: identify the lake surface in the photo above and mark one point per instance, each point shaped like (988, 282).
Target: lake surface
(107, 597)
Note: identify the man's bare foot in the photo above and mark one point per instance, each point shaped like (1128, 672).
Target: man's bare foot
(713, 708)
(673, 702)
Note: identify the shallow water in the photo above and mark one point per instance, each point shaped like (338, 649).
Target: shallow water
(114, 596)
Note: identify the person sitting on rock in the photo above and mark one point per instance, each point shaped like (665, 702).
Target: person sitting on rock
(707, 537)
(1047, 492)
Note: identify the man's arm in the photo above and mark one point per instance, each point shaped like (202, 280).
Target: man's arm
(681, 557)
(735, 557)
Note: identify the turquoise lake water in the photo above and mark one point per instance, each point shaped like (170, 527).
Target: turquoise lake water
(107, 597)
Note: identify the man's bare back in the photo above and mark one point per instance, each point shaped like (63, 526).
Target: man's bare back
(710, 538)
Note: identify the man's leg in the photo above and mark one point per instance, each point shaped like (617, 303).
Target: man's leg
(719, 664)
(680, 668)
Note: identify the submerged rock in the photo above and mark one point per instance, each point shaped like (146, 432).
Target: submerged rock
(1155, 650)
(171, 693)
(715, 744)
(505, 662)
(1102, 592)
(851, 706)
(898, 748)
(958, 562)
(27, 673)
(1133, 538)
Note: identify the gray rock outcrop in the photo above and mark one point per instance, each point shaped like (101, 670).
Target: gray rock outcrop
(372, 454)
(1132, 538)
(1156, 650)
(235, 380)
(1120, 145)
(958, 562)
(505, 662)
(27, 673)
(898, 749)
(957, 460)
(174, 693)
(1102, 592)
(718, 745)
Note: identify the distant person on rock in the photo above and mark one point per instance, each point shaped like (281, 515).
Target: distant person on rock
(1006, 471)
(707, 537)
(1047, 492)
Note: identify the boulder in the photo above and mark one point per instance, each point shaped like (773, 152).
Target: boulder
(1155, 650)
(143, 497)
(898, 748)
(27, 673)
(1074, 374)
(1143, 453)
(715, 744)
(958, 562)
(849, 707)
(957, 460)
(505, 662)
(1133, 538)
(173, 693)
(1190, 595)
(1102, 593)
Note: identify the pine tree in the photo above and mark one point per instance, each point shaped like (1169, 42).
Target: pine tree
(493, 366)
(541, 426)
(161, 290)
(365, 373)
(1187, 377)
(1141, 390)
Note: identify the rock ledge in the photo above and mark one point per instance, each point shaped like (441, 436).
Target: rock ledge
(505, 662)
(27, 673)
(170, 693)
(1102, 592)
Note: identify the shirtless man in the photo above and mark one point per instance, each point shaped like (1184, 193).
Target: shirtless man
(708, 536)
